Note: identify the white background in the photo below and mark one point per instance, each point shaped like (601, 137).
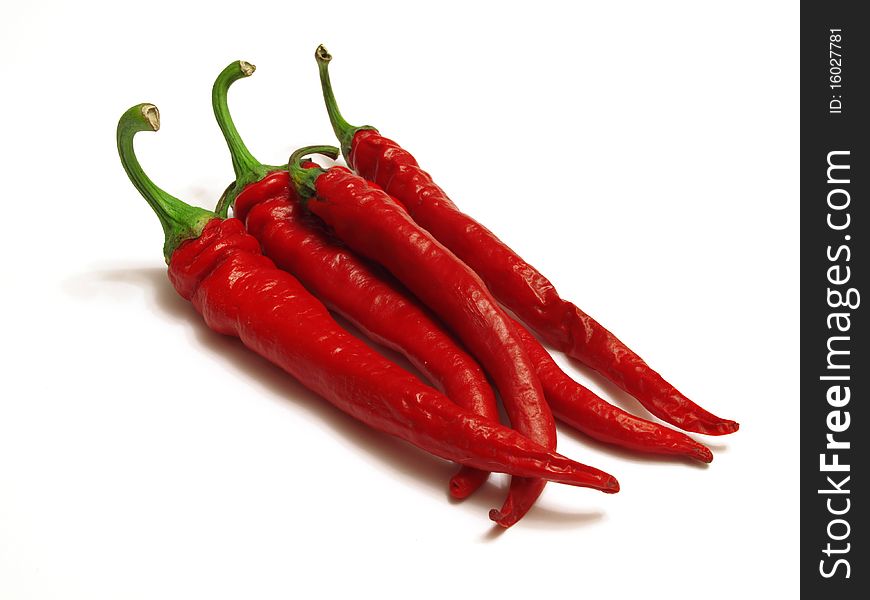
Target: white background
(643, 155)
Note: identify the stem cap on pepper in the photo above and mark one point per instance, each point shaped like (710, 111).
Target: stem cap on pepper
(248, 169)
(344, 131)
(304, 178)
(180, 220)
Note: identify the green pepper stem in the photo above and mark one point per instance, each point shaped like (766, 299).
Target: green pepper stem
(180, 221)
(304, 178)
(344, 131)
(247, 168)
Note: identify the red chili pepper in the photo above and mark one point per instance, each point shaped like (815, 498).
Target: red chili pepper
(216, 265)
(368, 221)
(297, 242)
(510, 279)
(357, 290)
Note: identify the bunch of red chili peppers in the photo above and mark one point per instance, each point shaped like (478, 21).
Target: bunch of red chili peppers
(380, 244)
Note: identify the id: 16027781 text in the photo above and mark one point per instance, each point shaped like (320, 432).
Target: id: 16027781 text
(835, 71)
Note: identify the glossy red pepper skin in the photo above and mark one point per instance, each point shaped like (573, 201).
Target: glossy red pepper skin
(299, 243)
(521, 287)
(581, 408)
(371, 223)
(352, 287)
(240, 292)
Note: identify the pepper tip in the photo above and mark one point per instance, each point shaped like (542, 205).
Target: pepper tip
(501, 518)
(723, 427)
(458, 490)
(703, 454)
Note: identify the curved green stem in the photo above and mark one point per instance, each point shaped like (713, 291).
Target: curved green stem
(180, 221)
(344, 131)
(304, 178)
(247, 168)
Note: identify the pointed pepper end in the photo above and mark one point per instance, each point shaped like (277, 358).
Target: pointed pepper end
(722, 427)
(503, 519)
(611, 485)
(701, 453)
